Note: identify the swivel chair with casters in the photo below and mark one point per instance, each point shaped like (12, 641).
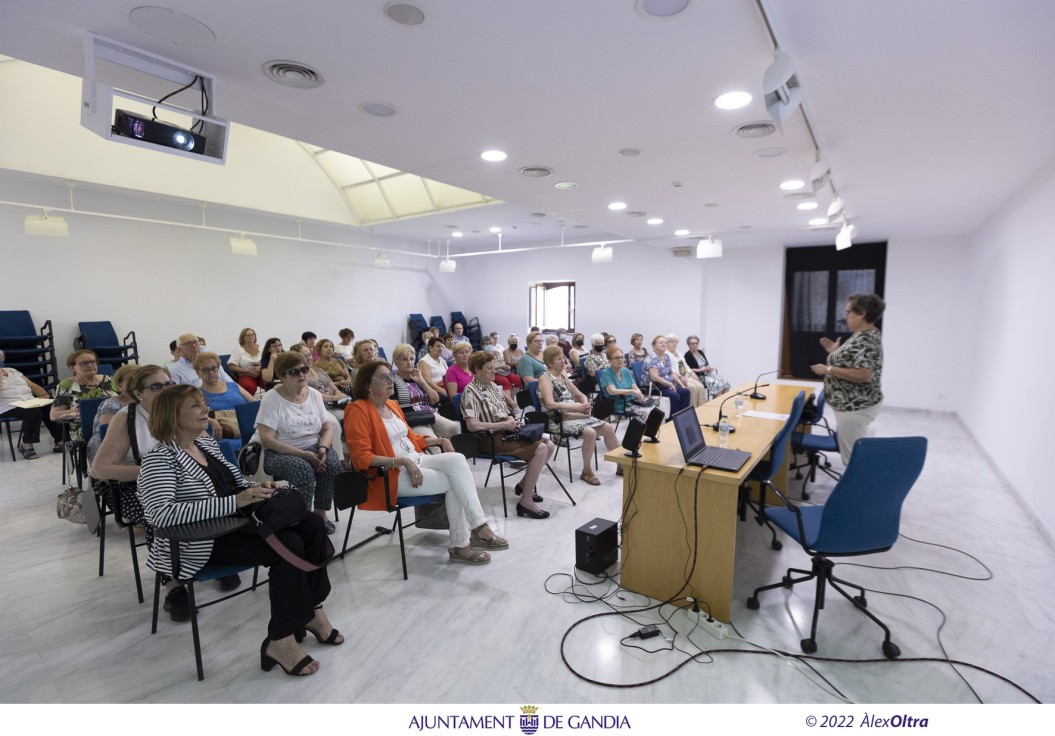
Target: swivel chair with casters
(861, 517)
(765, 470)
(350, 491)
(814, 446)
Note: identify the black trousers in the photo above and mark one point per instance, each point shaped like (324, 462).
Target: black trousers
(31, 421)
(294, 593)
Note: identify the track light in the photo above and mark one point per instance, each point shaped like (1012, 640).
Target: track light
(844, 239)
(381, 260)
(820, 174)
(55, 227)
(835, 209)
(780, 87)
(709, 247)
(242, 246)
(448, 266)
(602, 254)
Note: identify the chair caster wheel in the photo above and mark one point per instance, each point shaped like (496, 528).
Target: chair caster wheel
(776, 544)
(860, 600)
(891, 650)
(752, 603)
(809, 646)
(786, 580)
(827, 464)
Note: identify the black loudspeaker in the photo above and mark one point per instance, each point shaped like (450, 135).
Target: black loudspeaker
(596, 546)
(652, 425)
(632, 437)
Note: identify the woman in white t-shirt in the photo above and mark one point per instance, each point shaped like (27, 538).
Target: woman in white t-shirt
(295, 429)
(244, 363)
(433, 367)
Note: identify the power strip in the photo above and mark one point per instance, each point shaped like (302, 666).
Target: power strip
(708, 623)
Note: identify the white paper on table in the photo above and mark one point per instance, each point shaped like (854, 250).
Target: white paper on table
(767, 415)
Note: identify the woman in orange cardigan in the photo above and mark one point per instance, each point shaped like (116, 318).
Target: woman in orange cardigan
(378, 437)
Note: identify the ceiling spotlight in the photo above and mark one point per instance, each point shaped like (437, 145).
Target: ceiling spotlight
(835, 209)
(780, 87)
(496, 230)
(44, 224)
(654, 221)
(566, 185)
(681, 233)
(602, 254)
(242, 246)
(493, 155)
(381, 260)
(733, 100)
(806, 205)
(709, 247)
(820, 174)
(457, 234)
(818, 221)
(844, 239)
(616, 206)
(792, 184)
(448, 266)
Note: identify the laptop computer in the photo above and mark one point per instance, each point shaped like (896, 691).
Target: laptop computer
(695, 448)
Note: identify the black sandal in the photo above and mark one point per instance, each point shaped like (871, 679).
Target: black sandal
(29, 453)
(267, 662)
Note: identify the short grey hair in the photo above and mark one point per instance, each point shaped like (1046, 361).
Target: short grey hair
(597, 339)
(672, 336)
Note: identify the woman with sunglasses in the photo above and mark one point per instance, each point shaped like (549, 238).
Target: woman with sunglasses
(296, 432)
(114, 460)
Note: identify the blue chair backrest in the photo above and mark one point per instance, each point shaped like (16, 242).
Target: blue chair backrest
(533, 390)
(88, 408)
(17, 324)
(437, 321)
(820, 404)
(246, 415)
(459, 317)
(638, 367)
(780, 442)
(105, 369)
(381, 353)
(863, 512)
(457, 403)
(98, 334)
(223, 362)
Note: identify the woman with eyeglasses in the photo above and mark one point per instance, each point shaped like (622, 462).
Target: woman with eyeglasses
(378, 437)
(223, 396)
(296, 432)
(245, 362)
(185, 479)
(617, 381)
(86, 383)
(111, 405)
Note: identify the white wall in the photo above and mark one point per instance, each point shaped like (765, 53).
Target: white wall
(1008, 401)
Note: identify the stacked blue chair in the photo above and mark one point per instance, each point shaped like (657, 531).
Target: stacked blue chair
(29, 350)
(101, 339)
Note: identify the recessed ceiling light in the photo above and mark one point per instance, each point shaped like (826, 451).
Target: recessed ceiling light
(654, 221)
(629, 152)
(769, 152)
(806, 205)
(378, 109)
(566, 185)
(819, 221)
(496, 229)
(493, 155)
(457, 234)
(792, 184)
(405, 14)
(681, 233)
(733, 100)
(661, 8)
(616, 206)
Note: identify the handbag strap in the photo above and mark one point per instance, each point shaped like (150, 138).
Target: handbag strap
(133, 440)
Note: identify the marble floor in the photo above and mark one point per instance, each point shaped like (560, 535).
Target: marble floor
(458, 634)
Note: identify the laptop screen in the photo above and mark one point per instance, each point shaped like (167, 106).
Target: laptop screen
(690, 437)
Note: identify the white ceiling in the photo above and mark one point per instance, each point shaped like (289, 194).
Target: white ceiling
(931, 112)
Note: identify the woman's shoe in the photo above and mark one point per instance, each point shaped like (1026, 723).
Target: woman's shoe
(474, 558)
(330, 527)
(619, 470)
(267, 662)
(28, 452)
(495, 542)
(534, 496)
(590, 478)
(331, 639)
(540, 514)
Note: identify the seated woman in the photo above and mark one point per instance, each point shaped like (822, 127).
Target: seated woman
(511, 355)
(504, 377)
(110, 406)
(364, 352)
(556, 391)
(185, 478)
(697, 362)
(636, 353)
(578, 352)
(245, 362)
(485, 410)
(433, 367)
(660, 370)
(458, 375)
(697, 391)
(85, 384)
(295, 430)
(334, 367)
(221, 396)
(448, 348)
(414, 394)
(531, 366)
(344, 349)
(617, 381)
(319, 380)
(272, 347)
(378, 437)
(16, 387)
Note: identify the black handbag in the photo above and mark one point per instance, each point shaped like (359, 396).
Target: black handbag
(285, 508)
(528, 433)
(419, 418)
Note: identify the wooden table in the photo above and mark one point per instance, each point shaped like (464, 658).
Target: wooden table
(671, 511)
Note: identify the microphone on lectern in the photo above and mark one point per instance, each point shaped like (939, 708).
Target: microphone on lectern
(721, 406)
(757, 396)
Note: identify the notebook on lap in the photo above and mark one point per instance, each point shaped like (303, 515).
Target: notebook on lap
(695, 448)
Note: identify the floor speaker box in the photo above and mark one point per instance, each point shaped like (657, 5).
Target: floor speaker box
(596, 546)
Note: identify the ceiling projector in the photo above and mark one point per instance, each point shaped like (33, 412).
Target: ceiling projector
(131, 125)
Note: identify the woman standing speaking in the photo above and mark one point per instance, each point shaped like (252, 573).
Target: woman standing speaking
(853, 371)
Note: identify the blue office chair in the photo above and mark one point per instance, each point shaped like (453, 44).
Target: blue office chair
(350, 490)
(814, 445)
(861, 517)
(765, 470)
